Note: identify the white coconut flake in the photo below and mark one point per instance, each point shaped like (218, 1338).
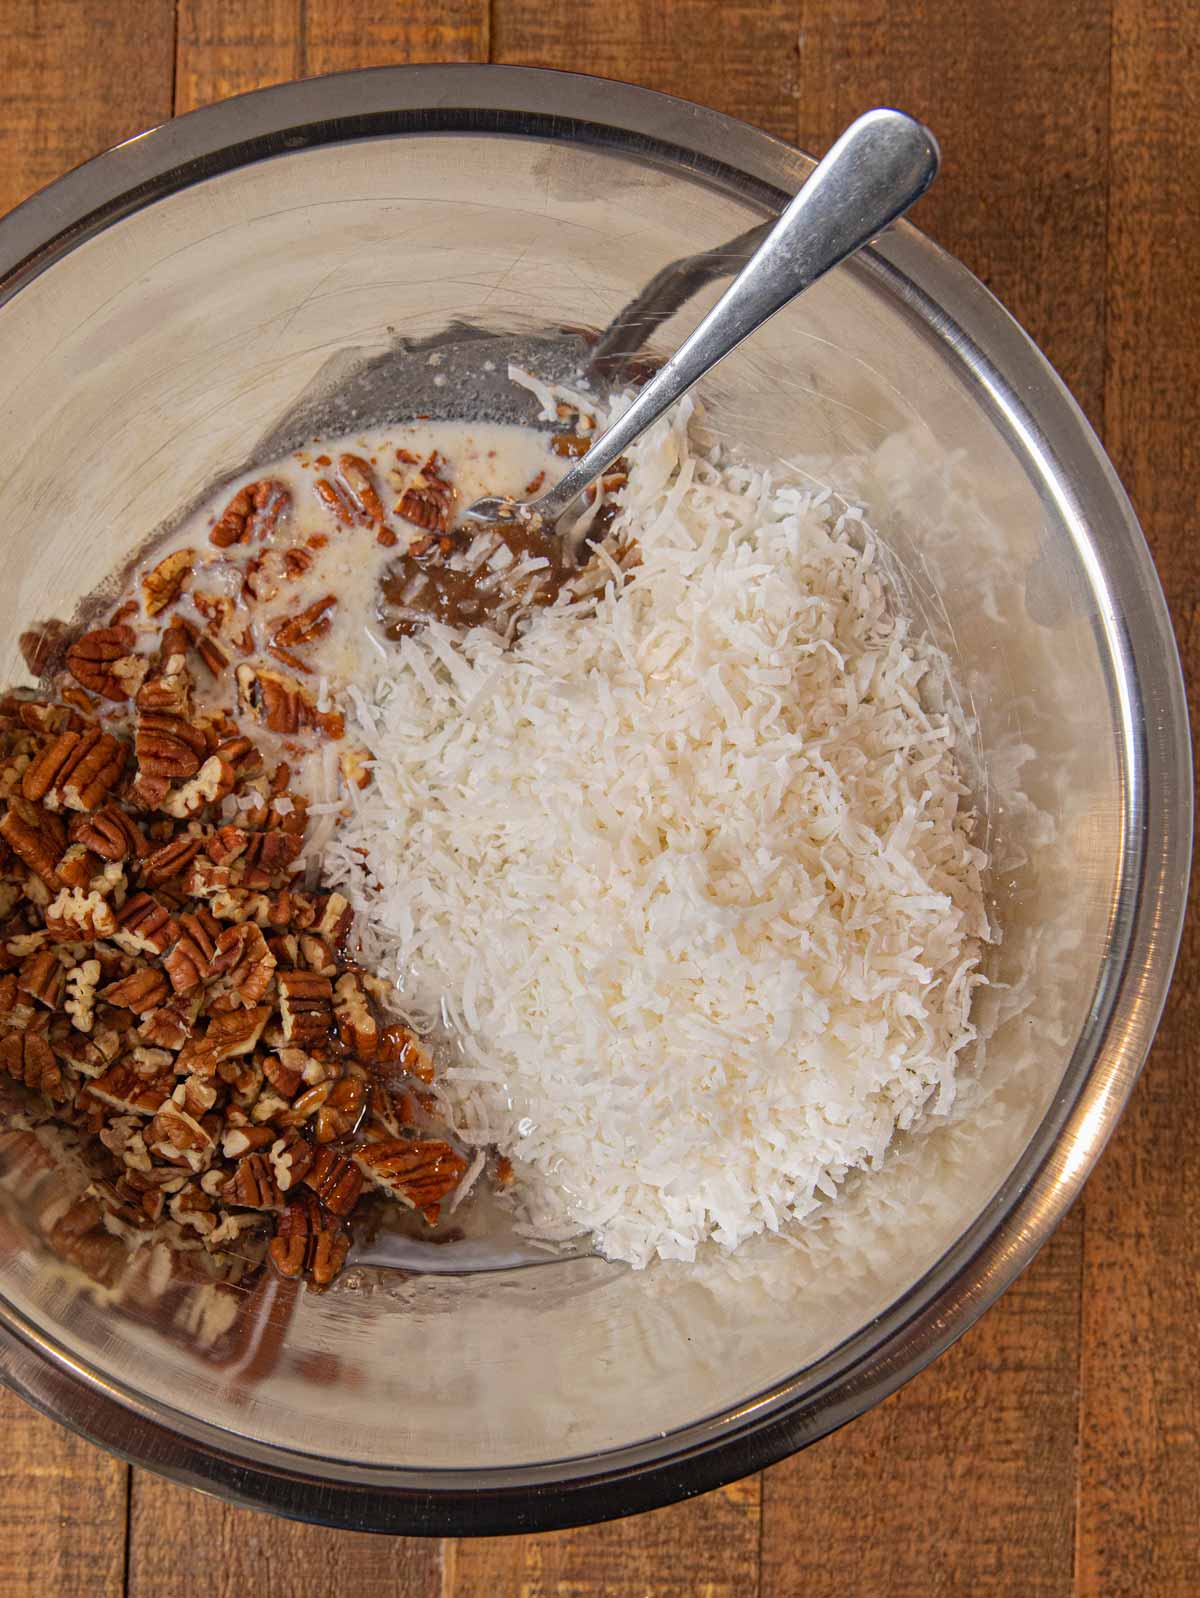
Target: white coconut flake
(691, 877)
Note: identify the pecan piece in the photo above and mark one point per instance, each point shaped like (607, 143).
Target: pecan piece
(28, 834)
(79, 917)
(93, 771)
(82, 981)
(428, 501)
(77, 867)
(28, 1058)
(144, 926)
(123, 1089)
(43, 771)
(356, 1026)
(357, 483)
(140, 991)
(243, 956)
(94, 659)
(209, 786)
(297, 632)
(336, 1181)
(229, 1036)
(110, 833)
(41, 644)
(417, 1173)
(168, 746)
(253, 512)
(309, 1242)
(169, 861)
(42, 977)
(291, 1155)
(162, 586)
(282, 703)
(305, 1008)
(252, 1185)
(342, 1110)
(357, 767)
(284, 1075)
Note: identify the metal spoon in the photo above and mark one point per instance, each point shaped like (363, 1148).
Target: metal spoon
(879, 167)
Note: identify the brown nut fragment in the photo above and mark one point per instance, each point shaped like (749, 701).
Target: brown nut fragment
(229, 1036)
(144, 926)
(82, 982)
(428, 501)
(342, 1110)
(42, 977)
(77, 867)
(76, 916)
(336, 1181)
(29, 835)
(417, 1173)
(93, 662)
(357, 483)
(170, 861)
(243, 956)
(356, 767)
(95, 769)
(162, 586)
(123, 1089)
(109, 832)
(356, 1025)
(140, 992)
(252, 1185)
(305, 1008)
(297, 632)
(43, 771)
(283, 704)
(41, 644)
(254, 512)
(28, 1058)
(168, 746)
(291, 1155)
(248, 1139)
(570, 445)
(284, 1076)
(399, 1046)
(309, 1242)
(209, 786)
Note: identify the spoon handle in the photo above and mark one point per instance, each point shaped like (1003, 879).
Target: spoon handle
(882, 163)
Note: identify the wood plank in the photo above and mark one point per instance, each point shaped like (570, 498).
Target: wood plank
(62, 1510)
(1139, 1510)
(738, 56)
(342, 34)
(79, 75)
(707, 1548)
(1018, 95)
(224, 49)
(965, 1480)
(183, 1543)
(960, 1483)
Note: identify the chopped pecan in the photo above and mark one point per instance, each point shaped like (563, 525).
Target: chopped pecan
(356, 767)
(180, 1136)
(342, 1110)
(140, 991)
(43, 771)
(296, 562)
(144, 926)
(570, 444)
(309, 1242)
(305, 1008)
(42, 977)
(82, 981)
(297, 632)
(243, 956)
(168, 746)
(283, 1073)
(356, 1025)
(123, 1089)
(99, 662)
(283, 704)
(171, 860)
(336, 1181)
(247, 1139)
(428, 501)
(76, 916)
(212, 656)
(209, 786)
(253, 513)
(109, 832)
(291, 1156)
(40, 646)
(168, 1027)
(28, 1058)
(252, 1185)
(417, 1173)
(335, 500)
(162, 586)
(196, 1094)
(400, 1046)
(77, 867)
(30, 837)
(229, 1036)
(93, 771)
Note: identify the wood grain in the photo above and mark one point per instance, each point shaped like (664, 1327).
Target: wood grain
(738, 56)
(707, 1548)
(62, 1502)
(1139, 1480)
(964, 1481)
(62, 1510)
(79, 75)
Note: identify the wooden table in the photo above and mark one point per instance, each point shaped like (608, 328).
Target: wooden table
(1054, 1449)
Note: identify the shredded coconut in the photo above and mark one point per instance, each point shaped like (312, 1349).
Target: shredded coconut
(687, 868)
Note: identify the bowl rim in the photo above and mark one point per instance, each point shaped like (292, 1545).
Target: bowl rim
(1042, 423)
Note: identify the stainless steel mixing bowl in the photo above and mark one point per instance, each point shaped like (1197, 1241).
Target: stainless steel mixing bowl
(165, 308)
